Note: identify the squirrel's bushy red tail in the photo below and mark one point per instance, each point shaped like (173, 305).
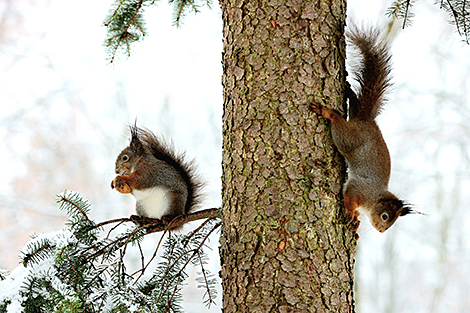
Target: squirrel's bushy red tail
(372, 72)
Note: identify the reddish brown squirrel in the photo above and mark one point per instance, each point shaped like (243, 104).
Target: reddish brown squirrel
(360, 140)
(162, 181)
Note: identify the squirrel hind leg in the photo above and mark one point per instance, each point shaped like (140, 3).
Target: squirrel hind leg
(178, 200)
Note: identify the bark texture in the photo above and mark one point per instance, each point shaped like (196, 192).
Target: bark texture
(284, 245)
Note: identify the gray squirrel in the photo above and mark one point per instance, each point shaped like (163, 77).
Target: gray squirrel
(162, 181)
(360, 140)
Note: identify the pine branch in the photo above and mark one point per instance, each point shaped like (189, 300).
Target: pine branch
(72, 203)
(144, 268)
(126, 32)
(192, 253)
(156, 225)
(80, 270)
(125, 23)
(401, 9)
(180, 220)
(37, 254)
(180, 11)
(460, 12)
(125, 26)
(180, 8)
(467, 21)
(206, 282)
(117, 220)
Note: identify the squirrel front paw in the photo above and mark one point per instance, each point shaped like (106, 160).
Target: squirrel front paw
(120, 184)
(322, 110)
(351, 205)
(316, 108)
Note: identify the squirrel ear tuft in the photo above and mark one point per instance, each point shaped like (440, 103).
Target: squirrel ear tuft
(136, 144)
(406, 208)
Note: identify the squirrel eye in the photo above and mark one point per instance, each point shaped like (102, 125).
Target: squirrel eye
(125, 158)
(385, 216)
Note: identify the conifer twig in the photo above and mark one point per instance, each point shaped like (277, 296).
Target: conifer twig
(194, 252)
(206, 281)
(64, 199)
(142, 270)
(121, 220)
(126, 32)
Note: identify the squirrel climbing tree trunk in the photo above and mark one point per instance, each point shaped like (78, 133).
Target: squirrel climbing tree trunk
(285, 245)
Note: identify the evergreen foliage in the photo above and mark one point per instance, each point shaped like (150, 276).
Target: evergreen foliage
(82, 268)
(125, 22)
(401, 9)
(126, 25)
(458, 10)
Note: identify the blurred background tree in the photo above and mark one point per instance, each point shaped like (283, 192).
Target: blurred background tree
(63, 107)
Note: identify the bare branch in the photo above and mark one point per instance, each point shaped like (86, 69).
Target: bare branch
(180, 220)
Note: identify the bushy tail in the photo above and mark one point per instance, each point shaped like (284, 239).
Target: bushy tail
(372, 72)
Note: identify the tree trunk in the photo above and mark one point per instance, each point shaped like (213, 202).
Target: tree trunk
(285, 246)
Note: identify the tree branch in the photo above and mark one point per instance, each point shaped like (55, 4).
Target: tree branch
(182, 219)
(157, 225)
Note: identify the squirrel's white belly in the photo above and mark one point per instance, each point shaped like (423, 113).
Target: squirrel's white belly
(155, 202)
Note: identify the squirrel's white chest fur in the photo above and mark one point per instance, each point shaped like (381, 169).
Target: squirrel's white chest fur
(154, 202)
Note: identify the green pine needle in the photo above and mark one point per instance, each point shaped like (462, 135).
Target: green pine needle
(125, 22)
(401, 9)
(126, 25)
(72, 203)
(458, 10)
(83, 268)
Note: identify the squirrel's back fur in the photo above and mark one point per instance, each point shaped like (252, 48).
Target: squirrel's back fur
(372, 71)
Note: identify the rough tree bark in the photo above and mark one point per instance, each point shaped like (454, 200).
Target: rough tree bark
(285, 246)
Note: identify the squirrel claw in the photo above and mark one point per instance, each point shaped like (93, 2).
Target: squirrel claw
(322, 110)
(351, 219)
(316, 108)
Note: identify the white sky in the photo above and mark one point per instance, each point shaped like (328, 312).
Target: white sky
(61, 47)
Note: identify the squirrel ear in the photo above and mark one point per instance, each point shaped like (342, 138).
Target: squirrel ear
(136, 144)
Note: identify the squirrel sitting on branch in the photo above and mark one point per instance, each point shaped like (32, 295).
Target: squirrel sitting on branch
(162, 181)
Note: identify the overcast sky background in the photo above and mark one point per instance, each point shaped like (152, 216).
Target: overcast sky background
(65, 111)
